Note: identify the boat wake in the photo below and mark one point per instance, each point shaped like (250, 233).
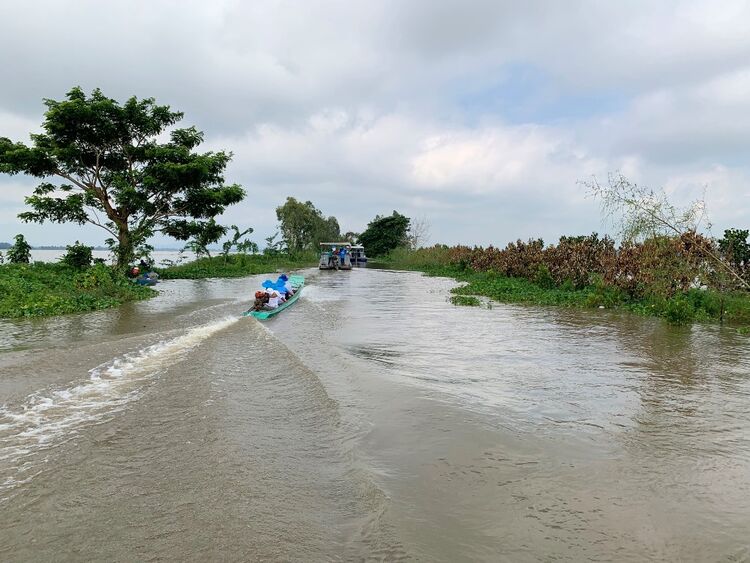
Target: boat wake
(52, 417)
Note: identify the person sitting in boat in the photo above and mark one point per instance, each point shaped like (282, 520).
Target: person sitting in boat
(261, 300)
(273, 291)
(284, 282)
(274, 299)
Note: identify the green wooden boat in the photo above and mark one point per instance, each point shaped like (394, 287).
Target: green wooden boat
(298, 282)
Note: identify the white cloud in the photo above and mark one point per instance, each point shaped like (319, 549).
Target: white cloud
(358, 106)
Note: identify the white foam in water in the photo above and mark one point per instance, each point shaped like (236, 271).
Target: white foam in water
(50, 418)
(317, 294)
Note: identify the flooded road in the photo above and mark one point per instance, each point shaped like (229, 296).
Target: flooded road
(372, 420)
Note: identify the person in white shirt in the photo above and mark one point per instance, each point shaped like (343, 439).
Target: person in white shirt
(273, 300)
(288, 289)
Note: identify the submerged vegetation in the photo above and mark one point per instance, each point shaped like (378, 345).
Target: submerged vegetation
(663, 276)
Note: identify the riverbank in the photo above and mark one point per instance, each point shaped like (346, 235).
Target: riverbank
(236, 266)
(40, 290)
(683, 307)
(48, 289)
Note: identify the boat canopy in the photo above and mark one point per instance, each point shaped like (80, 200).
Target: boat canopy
(337, 244)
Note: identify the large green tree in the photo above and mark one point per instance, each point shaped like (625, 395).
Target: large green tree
(303, 225)
(383, 234)
(106, 164)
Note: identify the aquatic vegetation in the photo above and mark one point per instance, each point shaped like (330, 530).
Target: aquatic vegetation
(668, 277)
(465, 300)
(39, 289)
(237, 265)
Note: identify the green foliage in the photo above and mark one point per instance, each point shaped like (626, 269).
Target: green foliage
(54, 289)
(114, 173)
(78, 255)
(237, 266)
(679, 311)
(424, 259)
(543, 278)
(303, 226)
(516, 290)
(384, 234)
(600, 294)
(736, 250)
(20, 252)
(199, 234)
(465, 300)
(275, 247)
(243, 246)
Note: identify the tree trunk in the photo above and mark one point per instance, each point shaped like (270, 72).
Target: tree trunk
(124, 252)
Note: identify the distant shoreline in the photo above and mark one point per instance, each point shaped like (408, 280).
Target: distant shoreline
(7, 245)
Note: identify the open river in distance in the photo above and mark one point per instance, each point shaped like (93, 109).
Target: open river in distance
(372, 420)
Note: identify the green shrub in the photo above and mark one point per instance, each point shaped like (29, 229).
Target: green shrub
(543, 277)
(603, 295)
(78, 255)
(20, 252)
(567, 285)
(679, 311)
(96, 276)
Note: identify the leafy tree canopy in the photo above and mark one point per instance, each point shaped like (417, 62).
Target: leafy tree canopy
(735, 247)
(303, 226)
(383, 234)
(199, 234)
(105, 164)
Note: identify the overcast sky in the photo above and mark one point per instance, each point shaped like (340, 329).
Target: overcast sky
(480, 116)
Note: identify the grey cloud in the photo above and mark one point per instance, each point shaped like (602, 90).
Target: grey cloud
(336, 101)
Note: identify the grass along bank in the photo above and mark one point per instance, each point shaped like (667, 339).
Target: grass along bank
(46, 289)
(40, 289)
(680, 307)
(237, 266)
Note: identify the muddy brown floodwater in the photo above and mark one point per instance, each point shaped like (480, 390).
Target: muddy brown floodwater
(372, 420)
